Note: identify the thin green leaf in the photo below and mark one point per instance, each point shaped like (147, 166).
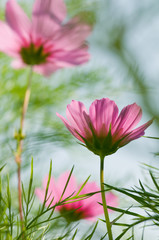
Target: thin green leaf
(47, 187)
(157, 138)
(83, 185)
(142, 237)
(124, 211)
(74, 235)
(92, 233)
(66, 183)
(2, 167)
(29, 192)
(154, 181)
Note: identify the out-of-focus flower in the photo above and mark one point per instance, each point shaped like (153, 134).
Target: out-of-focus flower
(44, 41)
(103, 130)
(88, 208)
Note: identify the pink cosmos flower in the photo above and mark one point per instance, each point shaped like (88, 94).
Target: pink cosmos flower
(44, 41)
(103, 130)
(88, 208)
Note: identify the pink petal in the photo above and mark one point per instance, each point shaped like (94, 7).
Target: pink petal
(78, 118)
(95, 209)
(71, 187)
(9, 42)
(90, 187)
(72, 35)
(112, 200)
(52, 190)
(103, 113)
(70, 58)
(137, 133)
(17, 19)
(17, 64)
(56, 9)
(45, 69)
(43, 26)
(90, 206)
(71, 129)
(128, 118)
(52, 195)
(40, 194)
(47, 16)
(87, 206)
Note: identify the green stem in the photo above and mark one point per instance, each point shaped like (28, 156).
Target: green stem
(108, 225)
(19, 137)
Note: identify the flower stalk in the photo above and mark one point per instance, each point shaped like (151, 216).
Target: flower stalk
(108, 224)
(19, 136)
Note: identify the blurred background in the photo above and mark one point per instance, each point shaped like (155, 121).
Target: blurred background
(124, 66)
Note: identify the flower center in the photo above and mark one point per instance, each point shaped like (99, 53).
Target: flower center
(33, 55)
(71, 215)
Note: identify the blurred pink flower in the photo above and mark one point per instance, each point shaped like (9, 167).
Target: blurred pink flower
(103, 130)
(44, 41)
(88, 208)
